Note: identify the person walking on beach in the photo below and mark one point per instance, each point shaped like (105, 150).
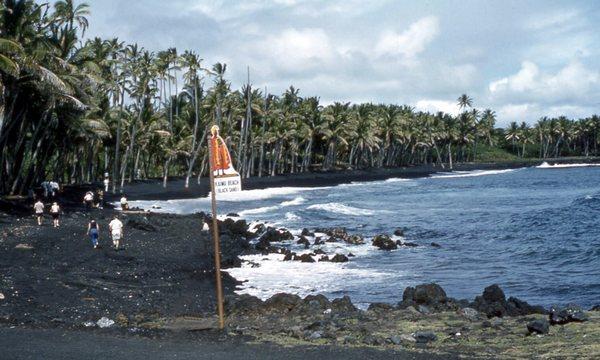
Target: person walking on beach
(38, 207)
(55, 212)
(124, 203)
(93, 231)
(88, 200)
(116, 231)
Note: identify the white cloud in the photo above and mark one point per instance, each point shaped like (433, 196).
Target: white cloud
(410, 42)
(573, 81)
(449, 107)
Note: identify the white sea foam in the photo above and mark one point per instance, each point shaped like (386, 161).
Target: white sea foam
(338, 208)
(260, 210)
(274, 276)
(392, 180)
(299, 200)
(545, 165)
(290, 216)
(460, 174)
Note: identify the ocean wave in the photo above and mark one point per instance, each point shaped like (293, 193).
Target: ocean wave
(392, 180)
(338, 208)
(460, 174)
(296, 201)
(260, 210)
(545, 165)
(290, 216)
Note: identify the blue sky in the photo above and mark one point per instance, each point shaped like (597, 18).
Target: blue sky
(523, 59)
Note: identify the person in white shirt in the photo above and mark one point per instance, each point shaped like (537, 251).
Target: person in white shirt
(116, 230)
(106, 184)
(124, 203)
(55, 212)
(38, 207)
(88, 200)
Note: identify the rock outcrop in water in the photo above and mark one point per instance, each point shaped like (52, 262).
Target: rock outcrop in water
(493, 303)
(384, 242)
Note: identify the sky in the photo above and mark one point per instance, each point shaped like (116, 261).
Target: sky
(523, 59)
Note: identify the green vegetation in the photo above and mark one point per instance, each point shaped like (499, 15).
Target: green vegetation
(76, 108)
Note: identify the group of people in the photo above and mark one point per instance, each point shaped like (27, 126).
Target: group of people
(55, 210)
(50, 188)
(115, 227)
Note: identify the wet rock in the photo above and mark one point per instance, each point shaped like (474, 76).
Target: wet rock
(423, 337)
(332, 239)
(354, 240)
(289, 256)
(232, 214)
(307, 258)
(303, 241)
(319, 252)
(517, 307)
(595, 308)
(318, 241)
(237, 228)
(567, 314)
(352, 255)
(399, 232)
(435, 245)
(275, 235)
(538, 326)
(282, 302)
(324, 258)
(383, 242)
(339, 258)
(408, 244)
(306, 232)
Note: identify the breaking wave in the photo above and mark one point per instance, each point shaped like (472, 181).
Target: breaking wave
(338, 208)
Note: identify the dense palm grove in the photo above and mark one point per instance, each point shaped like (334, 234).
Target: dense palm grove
(74, 110)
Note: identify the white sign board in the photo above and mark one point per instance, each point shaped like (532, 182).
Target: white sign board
(226, 184)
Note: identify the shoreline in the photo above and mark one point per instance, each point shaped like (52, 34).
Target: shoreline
(152, 189)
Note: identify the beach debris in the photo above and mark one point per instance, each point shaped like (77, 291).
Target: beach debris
(538, 326)
(567, 314)
(384, 242)
(104, 322)
(89, 324)
(2, 296)
(423, 337)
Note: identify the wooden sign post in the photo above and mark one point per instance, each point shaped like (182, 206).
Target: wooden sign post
(223, 179)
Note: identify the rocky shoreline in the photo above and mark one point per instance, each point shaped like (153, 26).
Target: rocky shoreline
(164, 281)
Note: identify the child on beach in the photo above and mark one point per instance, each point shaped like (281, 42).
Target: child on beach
(55, 212)
(93, 231)
(116, 231)
(38, 207)
(124, 203)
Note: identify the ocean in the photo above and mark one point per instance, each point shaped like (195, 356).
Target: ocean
(533, 231)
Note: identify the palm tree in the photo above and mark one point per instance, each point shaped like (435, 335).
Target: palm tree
(464, 101)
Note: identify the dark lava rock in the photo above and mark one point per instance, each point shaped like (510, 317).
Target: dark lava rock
(289, 256)
(306, 232)
(141, 223)
(312, 305)
(380, 307)
(338, 258)
(383, 242)
(493, 303)
(343, 305)
(274, 235)
(354, 240)
(307, 258)
(567, 314)
(237, 228)
(233, 215)
(595, 308)
(399, 232)
(319, 252)
(324, 258)
(318, 241)
(436, 245)
(539, 326)
(332, 239)
(424, 337)
(352, 255)
(429, 294)
(282, 302)
(243, 304)
(408, 244)
(303, 241)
